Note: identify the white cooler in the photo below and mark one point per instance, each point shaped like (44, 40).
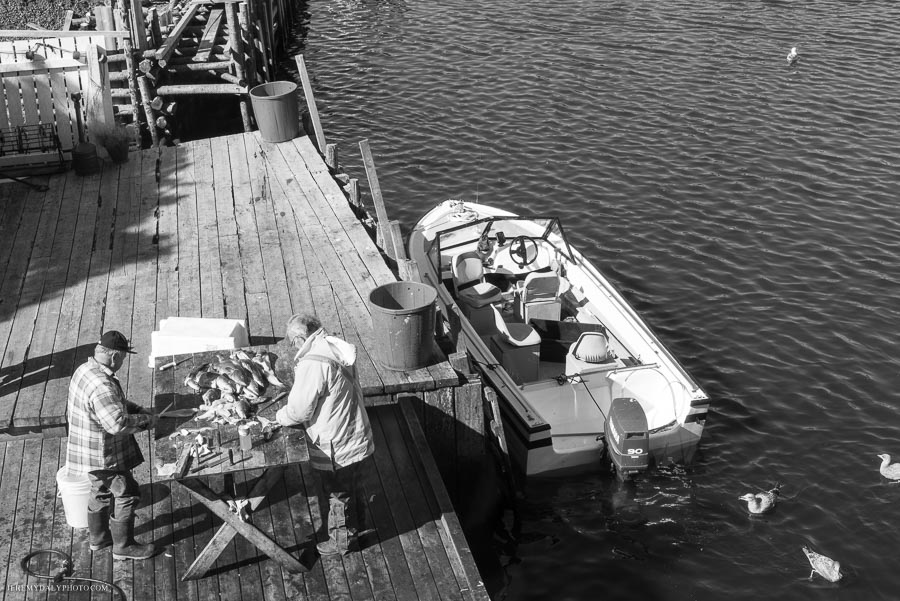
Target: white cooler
(180, 335)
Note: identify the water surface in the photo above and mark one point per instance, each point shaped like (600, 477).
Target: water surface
(746, 207)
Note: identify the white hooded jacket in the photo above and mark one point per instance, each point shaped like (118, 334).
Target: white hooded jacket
(327, 400)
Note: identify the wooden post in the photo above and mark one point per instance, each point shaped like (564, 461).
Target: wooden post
(67, 20)
(146, 98)
(138, 31)
(353, 193)
(236, 55)
(263, 49)
(397, 251)
(104, 17)
(130, 70)
(331, 157)
(311, 104)
(269, 37)
(98, 98)
(168, 47)
(380, 211)
(155, 31)
(249, 57)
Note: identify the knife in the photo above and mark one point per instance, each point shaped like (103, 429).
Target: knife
(177, 413)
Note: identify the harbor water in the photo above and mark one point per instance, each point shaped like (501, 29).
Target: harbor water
(746, 205)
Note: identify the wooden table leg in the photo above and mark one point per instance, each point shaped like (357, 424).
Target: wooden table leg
(234, 525)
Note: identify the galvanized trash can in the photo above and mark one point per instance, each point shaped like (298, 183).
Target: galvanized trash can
(403, 315)
(276, 110)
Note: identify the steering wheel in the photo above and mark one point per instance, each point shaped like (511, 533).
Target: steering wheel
(518, 250)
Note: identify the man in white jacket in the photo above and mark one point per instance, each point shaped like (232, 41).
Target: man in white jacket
(327, 400)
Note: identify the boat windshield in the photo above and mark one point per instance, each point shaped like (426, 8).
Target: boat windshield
(498, 229)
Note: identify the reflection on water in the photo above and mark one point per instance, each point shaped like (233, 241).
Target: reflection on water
(746, 207)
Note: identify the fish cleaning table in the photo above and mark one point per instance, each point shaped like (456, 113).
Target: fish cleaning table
(271, 453)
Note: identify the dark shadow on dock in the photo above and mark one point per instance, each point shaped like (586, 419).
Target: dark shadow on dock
(44, 368)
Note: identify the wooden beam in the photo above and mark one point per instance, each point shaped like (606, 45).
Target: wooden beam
(50, 65)
(45, 33)
(233, 525)
(397, 251)
(236, 52)
(165, 51)
(104, 17)
(205, 88)
(146, 99)
(210, 33)
(138, 30)
(380, 210)
(311, 104)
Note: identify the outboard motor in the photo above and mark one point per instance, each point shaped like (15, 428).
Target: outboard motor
(627, 437)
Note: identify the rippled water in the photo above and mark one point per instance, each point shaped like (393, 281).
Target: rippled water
(747, 207)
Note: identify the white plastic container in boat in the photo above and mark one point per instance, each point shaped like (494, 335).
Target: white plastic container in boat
(180, 335)
(75, 490)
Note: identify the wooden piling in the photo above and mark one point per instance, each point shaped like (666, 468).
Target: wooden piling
(380, 211)
(146, 97)
(311, 102)
(236, 52)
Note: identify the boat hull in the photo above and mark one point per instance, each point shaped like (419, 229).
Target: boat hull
(554, 423)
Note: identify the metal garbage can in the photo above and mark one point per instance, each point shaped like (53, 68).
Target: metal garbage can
(276, 110)
(403, 315)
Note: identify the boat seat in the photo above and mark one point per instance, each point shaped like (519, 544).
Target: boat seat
(537, 297)
(517, 346)
(590, 351)
(468, 278)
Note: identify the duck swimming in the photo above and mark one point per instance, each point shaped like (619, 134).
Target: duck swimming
(889, 470)
(761, 502)
(825, 567)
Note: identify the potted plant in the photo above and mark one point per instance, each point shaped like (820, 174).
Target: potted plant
(115, 139)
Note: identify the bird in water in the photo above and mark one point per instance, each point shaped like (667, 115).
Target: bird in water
(793, 55)
(825, 567)
(889, 470)
(762, 502)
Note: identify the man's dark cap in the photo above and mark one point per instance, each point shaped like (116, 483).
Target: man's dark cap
(116, 341)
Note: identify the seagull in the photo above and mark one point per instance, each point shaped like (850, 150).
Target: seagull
(761, 502)
(792, 56)
(826, 567)
(889, 470)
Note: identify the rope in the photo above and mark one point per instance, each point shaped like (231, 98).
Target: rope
(64, 573)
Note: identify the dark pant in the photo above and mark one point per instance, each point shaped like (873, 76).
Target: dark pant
(341, 501)
(117, 486)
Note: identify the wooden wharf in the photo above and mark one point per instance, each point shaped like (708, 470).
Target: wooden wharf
(228, 227)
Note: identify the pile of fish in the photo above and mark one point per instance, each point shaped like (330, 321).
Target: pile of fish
(232, 384)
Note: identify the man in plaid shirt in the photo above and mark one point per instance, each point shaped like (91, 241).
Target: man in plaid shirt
(102, 424)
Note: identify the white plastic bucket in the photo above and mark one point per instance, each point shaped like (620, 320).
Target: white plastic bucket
(75, 490)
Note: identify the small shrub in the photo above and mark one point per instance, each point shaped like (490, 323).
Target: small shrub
(115, 139)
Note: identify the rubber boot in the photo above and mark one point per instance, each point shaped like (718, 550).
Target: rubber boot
(98, 530)
(124, 545)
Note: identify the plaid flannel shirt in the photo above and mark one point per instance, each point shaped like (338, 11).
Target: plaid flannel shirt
(102, 422)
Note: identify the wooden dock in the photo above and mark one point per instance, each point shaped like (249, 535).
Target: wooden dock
(229, 227)
(416, 551)
(225, 227)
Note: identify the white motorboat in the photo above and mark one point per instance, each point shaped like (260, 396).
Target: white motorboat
(583, 382)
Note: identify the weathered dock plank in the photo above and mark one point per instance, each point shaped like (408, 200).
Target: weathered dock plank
(211, 293)
(23, 518)
(62, 363)
(27, 413)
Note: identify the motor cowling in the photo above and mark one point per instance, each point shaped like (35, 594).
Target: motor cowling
(627, 437)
